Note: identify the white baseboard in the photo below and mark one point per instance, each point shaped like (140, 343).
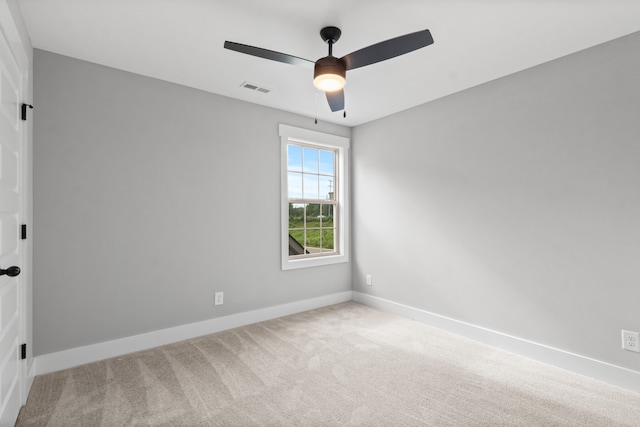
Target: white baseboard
(606, 372)
(92, 353)
(28, 380)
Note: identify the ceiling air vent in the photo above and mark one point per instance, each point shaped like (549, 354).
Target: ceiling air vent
(256, 88)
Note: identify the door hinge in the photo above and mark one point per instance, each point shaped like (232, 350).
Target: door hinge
(23, 351)
(24, 110)
(23, 231)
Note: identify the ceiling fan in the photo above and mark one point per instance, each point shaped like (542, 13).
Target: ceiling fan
(330, 72)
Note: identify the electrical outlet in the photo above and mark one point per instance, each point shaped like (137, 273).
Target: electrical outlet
(631, 341)
(368, 280)
(219, 298)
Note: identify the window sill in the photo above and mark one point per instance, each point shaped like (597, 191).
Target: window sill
(293, 264)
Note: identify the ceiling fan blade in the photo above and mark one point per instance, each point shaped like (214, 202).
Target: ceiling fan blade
(387, 49)
(336, 100)
(268, 54)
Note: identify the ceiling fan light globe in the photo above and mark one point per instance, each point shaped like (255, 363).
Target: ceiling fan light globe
(329, 82)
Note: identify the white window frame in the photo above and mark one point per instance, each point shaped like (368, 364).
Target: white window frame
(319, 139)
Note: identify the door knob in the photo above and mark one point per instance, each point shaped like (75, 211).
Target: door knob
(11, 271)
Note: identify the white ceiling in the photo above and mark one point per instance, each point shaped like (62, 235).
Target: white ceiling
(182, 41)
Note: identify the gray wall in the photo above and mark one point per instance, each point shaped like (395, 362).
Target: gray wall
(514, 205)
(149, 197)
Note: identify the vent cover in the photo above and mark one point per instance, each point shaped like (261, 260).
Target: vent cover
(253, 87)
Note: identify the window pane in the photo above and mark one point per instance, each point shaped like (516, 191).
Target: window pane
(326, 188)
(295, 243)
(294, 158)
(296, 229)
(310, 187)
(294, 183)
(296, 216)
(327, 215)
(310, 160)
(327, 162)
(328, 240)
(313, 241)
(313, 216)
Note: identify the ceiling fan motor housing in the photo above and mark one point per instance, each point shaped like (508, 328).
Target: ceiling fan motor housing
(329, 66)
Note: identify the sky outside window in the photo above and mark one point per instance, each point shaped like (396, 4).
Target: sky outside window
(311, 173)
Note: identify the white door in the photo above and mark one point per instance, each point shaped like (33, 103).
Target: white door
(11, 128)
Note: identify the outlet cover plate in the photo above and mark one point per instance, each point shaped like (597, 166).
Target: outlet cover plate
(631, 341)
(219, 298)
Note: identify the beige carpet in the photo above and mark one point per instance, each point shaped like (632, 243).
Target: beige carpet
(346, 364)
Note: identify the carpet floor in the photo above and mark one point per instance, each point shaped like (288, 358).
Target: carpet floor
(346, 364)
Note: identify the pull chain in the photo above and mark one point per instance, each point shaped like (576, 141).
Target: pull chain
(316, 107)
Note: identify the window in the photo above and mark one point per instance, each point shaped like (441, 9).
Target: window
(311, 176)
(314, 198)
